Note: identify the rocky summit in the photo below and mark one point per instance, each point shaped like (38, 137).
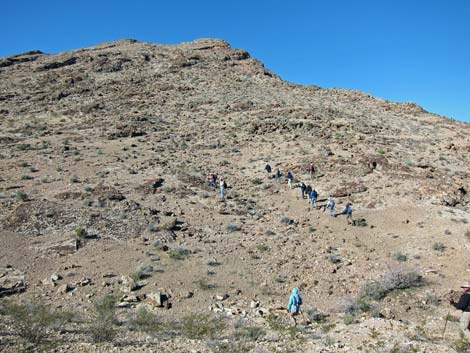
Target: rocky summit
(112, 238)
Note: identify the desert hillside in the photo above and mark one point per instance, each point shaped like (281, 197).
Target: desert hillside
(104, 158)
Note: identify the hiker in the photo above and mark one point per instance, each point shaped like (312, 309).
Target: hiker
(313, 197)
(348, 212)
(311, 170)
(464, 305)
(331, 206)
(277, 175)
(289, 178)
(295, 301)
(223, 186)
(308, 190)
(212, 180)
(303, 187)
(267, 168)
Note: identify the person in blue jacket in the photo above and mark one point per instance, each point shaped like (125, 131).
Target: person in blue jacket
(295, 301)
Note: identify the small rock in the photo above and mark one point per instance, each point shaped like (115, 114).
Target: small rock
(65, 288)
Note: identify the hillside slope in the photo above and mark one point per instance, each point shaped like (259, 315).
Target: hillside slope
(116, 141)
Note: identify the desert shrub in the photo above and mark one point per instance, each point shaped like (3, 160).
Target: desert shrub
(26, 177)
(234, 346)
(142, 271)
(24, 164)
(204, 285)
(21, 196)
(373, 290)
(269, 233)
(23, 146)
(102, 326)
(146, 321)
(349, 319)
(88, 202)
(178, 253)
(282, 327)
(315, 315)
(399, 256)
(467, 235)
(230, 228)
(249, 333)
(401, 278)
(152, 228)
(257, 181)
(199, 326)
(286, 220)
(81, 233)
(438, 247)
(262, 247)
(334, 258)
(33, 322)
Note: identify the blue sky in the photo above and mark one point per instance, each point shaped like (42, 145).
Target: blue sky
(402, 50)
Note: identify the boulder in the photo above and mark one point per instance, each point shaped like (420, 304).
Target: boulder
(11, 281)
(157, 299)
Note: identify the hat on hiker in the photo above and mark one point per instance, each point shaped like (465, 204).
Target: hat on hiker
(465, 285)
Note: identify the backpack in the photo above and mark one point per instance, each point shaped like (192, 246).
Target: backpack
(224, 185)
(297, 302)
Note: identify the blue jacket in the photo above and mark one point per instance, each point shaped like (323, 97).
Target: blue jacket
(295, 301)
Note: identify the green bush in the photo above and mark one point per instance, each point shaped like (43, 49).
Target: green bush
(21, 196)
(199, 326)
(249, 333)
(34, 322)
(81, 233)
(102, 327)
(438, 247)
(398, 256)
(142, 271)
(178, 253)
(146, 321)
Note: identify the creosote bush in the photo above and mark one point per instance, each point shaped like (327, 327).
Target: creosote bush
(102, 326)
(146, 321)
(34, 322)
(178, 253)
(142, 271)
(438, 247)
(199, 326)
(21, 196)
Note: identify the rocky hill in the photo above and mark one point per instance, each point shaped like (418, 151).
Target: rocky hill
(104, 158)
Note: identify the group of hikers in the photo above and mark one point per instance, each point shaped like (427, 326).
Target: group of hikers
(212, 180)
(306, 191)
(295, 300)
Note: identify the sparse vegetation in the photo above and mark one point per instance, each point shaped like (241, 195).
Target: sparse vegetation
(438, 247)
(199, 326)
(102, 326)
(81, 233)
(178, 253)
(230, 228)
(262, 247)
(142, 271)
(399, 256)
(34, 322)
(286, 220)
(21, 196)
